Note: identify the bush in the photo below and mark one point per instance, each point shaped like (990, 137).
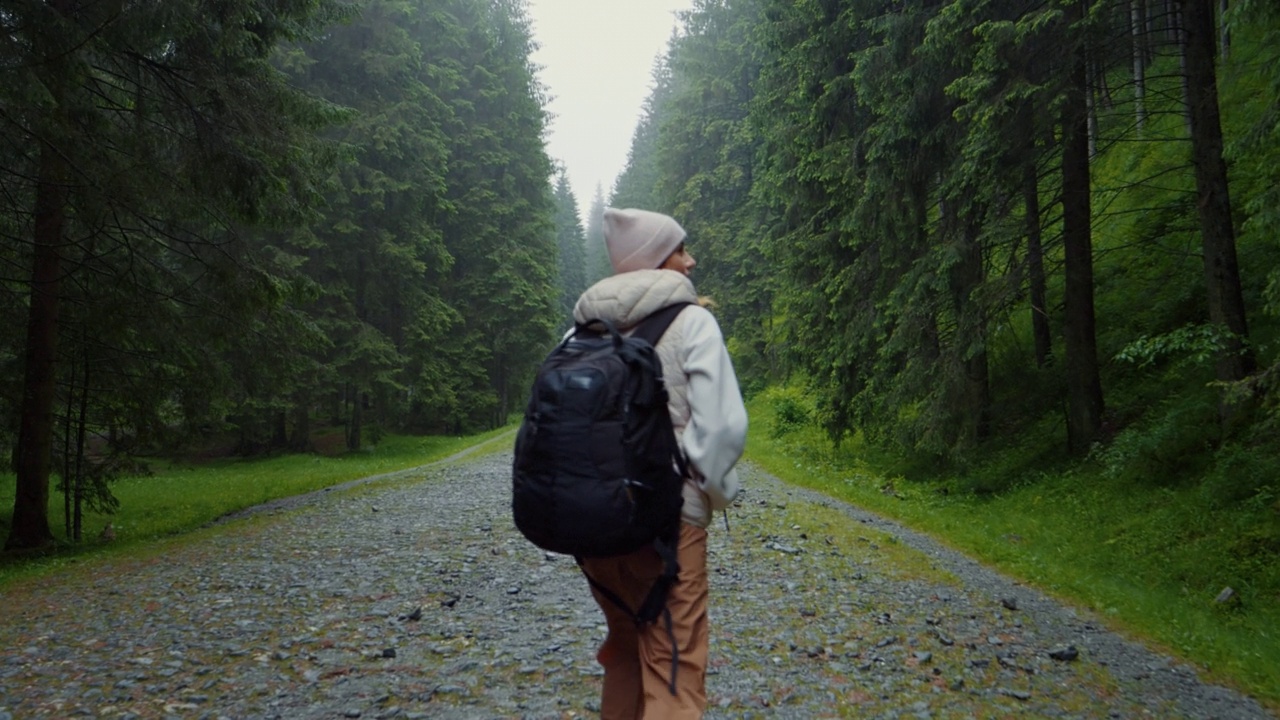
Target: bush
(791, 409)
(1173, 444)
(1239, 475)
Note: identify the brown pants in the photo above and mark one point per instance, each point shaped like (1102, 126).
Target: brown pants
(637, 660)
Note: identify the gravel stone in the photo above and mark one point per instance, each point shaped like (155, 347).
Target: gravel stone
(411, 595)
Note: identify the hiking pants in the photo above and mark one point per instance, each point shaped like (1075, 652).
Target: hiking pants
(637, 660)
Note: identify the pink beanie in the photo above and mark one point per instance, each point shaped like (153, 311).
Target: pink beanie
(640, 239)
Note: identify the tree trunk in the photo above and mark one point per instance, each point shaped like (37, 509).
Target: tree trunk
(966, 276)
(66, 459)
(504, 392)
(1180, 29)
(355, 428)
(1224, 38)
(1217, 233)
(1148, 32)
(30, 527)
(1091, 113)
(1139, 66)
(280, 429)
(1041, 335)
(300, 440)
(82, 423)
(1084, 386)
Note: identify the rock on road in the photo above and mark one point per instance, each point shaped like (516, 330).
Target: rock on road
(414, 597)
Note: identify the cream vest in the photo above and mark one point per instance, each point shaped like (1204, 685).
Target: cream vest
(626, 299)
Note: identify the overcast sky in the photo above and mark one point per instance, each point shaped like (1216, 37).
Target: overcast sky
(596, 59)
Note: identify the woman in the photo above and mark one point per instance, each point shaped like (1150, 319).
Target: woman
(652, 266)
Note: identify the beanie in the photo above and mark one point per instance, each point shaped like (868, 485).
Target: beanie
(640, 239)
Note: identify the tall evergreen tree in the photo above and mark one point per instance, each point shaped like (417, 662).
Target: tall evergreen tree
(501, 232)
(148, 131)
(705, 163)
(597, 254)
(1084, 386)
(377, 259)
(637, 185)
(1213, 204)
(571, 243)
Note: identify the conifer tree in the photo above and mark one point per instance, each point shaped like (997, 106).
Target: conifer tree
(571, 243)
(598, 266)
(501, 229)
(1213, 203)
(146, 130)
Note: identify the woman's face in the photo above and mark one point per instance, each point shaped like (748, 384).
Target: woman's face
(680, 261)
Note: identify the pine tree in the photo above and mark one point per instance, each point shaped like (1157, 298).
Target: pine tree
(598, 266)
(148, 131)
(571, 243)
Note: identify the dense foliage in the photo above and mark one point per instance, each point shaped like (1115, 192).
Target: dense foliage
(1012, 249)
(248, 219)
(962, 218)
(998, 243)
(994, 240)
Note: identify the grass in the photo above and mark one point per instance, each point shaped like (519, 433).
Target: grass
(181, 498)
(1149, 560)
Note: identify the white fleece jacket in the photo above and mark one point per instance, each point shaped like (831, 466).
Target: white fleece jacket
(705, 403)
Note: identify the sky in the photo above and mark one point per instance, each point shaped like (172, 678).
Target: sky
(596, 61)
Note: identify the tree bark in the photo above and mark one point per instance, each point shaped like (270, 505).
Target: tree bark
(1084, 386)
(82, 424)
(1181, 32)
(1217, 233)
(66, 459)
(1148, 31)
(1040, 331)
(1224, 33)
(280, 429)
(30, 527)
(1139, 66)
(1091, 113)
(300, 440)
(356, 423)
(966, 276)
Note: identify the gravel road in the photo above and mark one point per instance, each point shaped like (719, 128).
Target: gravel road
(414, 597)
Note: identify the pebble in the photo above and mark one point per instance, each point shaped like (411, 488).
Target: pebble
(433, 606)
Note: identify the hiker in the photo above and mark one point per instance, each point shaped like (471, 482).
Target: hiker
(643, 677)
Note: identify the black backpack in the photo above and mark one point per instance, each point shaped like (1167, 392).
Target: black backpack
(597, 469)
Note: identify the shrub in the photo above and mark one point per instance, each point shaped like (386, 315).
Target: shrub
(791, 409)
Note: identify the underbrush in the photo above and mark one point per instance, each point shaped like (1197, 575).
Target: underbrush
(1148, 532)
(179, 498)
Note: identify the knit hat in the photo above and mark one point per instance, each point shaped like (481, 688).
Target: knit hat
(640, 239)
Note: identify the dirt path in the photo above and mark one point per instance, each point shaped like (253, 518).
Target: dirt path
(419, 600)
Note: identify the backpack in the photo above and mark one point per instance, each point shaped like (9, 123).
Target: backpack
(597, 470)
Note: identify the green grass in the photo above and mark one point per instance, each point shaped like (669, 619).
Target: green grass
(1149, 559)
(182, 498)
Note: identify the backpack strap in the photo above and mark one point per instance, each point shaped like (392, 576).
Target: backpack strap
(656, 600)
(655, 325)
(654, 604)
(651, 329)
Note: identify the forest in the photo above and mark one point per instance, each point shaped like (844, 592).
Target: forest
(1009, 271)
(238, 221)
(987, 241)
